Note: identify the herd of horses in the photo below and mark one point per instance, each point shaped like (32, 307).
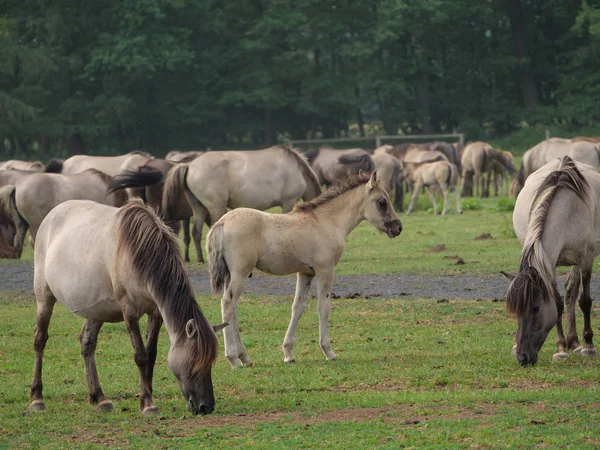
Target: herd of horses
(125, 211)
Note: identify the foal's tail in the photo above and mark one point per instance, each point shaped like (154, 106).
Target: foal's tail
(217, 266)
(174, 187)
(9, 206)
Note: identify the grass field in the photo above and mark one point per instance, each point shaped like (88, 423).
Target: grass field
(409, 373)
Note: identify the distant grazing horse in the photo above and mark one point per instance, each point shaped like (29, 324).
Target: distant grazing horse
(333, 165)
(536, 157)
(557, 218)
(259, 179)
(29, 200)
(15, 164)
(148, 181)
(112, 265)
(389, 176)
(479, 158)
(443, 174)
(178, 156)
(110, 165)
(308, 241)
(500, 173)
(452, 151)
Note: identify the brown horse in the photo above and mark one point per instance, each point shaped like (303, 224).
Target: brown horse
(259, 179)
(112, 265)
(557, 218)
(29, 200)
(308, 241)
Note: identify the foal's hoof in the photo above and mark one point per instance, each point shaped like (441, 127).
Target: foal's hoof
(559, 356)
(37, 405)
(104, 406)
(289, 360)
(150, 411)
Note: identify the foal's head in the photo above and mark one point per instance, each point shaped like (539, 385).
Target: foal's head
(379, 211)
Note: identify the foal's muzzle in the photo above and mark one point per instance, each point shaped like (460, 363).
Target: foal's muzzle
(393, 228)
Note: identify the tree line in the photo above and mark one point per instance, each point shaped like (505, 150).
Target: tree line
(117, 75)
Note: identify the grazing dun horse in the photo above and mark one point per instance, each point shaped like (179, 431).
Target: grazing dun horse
(308, 241)
(557, 218)
(179, 156)
(439, 173)
(479, 158)
(389, 175)
(130, 265)
(111, 165)
(333, 165)
(29, 200)
(259, 179)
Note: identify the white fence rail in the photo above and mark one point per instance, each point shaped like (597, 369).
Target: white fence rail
(379, 139)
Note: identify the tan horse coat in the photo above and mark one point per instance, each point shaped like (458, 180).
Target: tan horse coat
(333, 165)
(15, 164)
(439, 173)
(110, 165)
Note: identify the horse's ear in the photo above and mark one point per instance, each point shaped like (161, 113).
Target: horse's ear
(191, 329)
(373, 181)
(509, 276)
(217, 328)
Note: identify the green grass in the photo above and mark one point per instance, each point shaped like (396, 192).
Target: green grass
(410, 373)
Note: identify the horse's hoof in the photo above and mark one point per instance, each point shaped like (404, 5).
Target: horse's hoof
(559, 356)
(37, 405)
(104, 406)
(150, 411)
(514, 350)
(331, 357)
(578, 350)
(289, 360)
(235, 362)
(588, 352)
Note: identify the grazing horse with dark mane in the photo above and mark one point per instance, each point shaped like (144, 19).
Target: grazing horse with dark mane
(332, 165)
(259, 179)
(112, 265)
(557, 218)
(308, 241)
(111, 165)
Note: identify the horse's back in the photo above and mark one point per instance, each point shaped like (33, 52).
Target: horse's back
(111, 165)
(74, 256)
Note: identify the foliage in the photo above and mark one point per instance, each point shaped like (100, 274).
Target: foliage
(471, 204)
(160, 74)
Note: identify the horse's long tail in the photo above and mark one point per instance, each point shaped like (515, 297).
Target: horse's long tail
(536, 273)
(174, 187)
(54, 166)
(135, 179)
(217, 266)
(9, 206)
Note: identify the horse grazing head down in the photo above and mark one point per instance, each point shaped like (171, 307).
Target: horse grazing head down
(378, 209)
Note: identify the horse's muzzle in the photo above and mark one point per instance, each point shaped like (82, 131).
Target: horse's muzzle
(393, 228)
(199, 409)
(524, 360)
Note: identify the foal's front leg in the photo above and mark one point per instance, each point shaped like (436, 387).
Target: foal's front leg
(324, 280)
(303, 283)
(234, 348)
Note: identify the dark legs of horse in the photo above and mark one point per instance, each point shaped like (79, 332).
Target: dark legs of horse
(303, 283)
(88, 339)
(143, 358)
(152, 333)
(235, 351)
(561, 342)
(585, 303)
(324, 280)
(44, 313)
(185, 224)
(571, 293)
(22, 228)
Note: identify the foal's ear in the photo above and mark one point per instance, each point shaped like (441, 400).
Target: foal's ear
(217, 328)
(373, 183)
(509, 276)
(191, 329)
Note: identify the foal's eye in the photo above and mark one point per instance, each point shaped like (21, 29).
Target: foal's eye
(381, 202)
(536, 309)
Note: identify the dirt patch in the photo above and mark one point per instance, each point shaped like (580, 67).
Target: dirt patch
(483, 237)
(438, 248)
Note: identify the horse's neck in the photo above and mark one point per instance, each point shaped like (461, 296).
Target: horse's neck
(345, 211)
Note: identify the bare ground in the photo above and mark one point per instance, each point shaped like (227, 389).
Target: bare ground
(18, 276)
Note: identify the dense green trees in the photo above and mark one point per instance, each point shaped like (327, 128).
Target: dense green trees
(116, 75)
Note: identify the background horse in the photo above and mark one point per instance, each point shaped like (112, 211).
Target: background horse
(179, 156)
(557, 218)
(148, 182)
(111, 165)
(29, 200)
(390, 176)
(332, 165)
(539, 155)
(259, 179)
(308, 241)
(130, 265)
(443, 174)
(479, 159)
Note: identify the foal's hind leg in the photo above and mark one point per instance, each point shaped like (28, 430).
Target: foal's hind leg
(432, 197)
(571, 293)
(324, 280)
(88, 339)
(585, 303)
(234, 348)
(303, 283)
(44, 313)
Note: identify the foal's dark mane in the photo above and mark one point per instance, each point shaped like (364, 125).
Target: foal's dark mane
(535, 276)
(154, 253)
(333, 192)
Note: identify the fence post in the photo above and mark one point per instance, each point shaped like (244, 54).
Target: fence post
(461, 139)
(547, 133)
(377, 141)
